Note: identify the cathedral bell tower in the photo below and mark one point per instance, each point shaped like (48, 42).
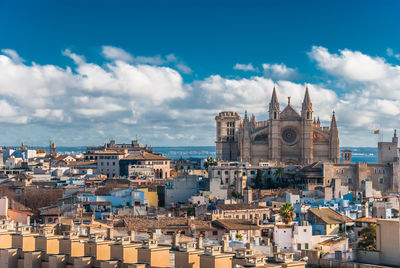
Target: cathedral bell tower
(246, 140)
(307, 129)
(274, 129)
(334, 141)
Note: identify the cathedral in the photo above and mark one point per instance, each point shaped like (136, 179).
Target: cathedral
(288, 137)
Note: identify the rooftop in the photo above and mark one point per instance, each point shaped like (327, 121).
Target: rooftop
(236, 224)
(240, 206)
(146, 156)
(330, 216)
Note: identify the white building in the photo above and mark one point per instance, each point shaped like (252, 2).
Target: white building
(293, 237)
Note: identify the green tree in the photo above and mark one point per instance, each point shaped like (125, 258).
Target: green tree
(368, 240)
(287, 213)
(178, 166)
(270, 184)
(259, 183)
(239, 237)
(236, 195)
(280, 172)
(210, 162)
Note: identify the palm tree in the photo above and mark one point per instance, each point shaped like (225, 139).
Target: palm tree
(287, 213)
(280, 172)
(210, 161)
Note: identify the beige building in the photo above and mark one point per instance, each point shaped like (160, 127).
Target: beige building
(157, 162)
(21, 246)
(387, 244)
(242, 211)
(288, 137)
(107, 162)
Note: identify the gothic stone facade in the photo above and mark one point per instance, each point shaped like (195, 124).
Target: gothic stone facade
(288, 137)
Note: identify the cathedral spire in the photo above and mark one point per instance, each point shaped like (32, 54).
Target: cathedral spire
(274, 104)
(274, 110)
(307, 105)
(306, 111)
(333, 122)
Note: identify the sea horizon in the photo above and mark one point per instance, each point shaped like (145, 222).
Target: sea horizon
(359, 154)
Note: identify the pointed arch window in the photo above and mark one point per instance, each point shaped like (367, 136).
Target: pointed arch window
(274, 115)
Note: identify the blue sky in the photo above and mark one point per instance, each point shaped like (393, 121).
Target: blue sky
(80, 72)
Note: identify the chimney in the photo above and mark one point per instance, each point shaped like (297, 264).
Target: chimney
(153, 234)
(88, 231)
(365, 212)
(110, 233)
(200, 242)
(225, 245)
(131, 234)
(249, 246)
(176, 239)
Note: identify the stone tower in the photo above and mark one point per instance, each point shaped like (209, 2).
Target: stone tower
(307, 129)
(228, 124)
(346, 156)
(245, 140)
(53, 149)
(274, 128)
(388, 152)
(334, 141)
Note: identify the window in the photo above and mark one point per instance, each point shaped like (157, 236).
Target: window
(305, 230)
(215, 232)
(342, 171)
(243, 216)
(226, 172)
(337, 171)
(350, 181)
(298, 246)
(381, 180)
(237, 216)
(274, 115)
(306, 246)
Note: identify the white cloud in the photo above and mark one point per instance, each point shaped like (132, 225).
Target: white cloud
(13, 55)
(354, 65)
(183, 68)
(115, 53)
(279, 71)
(127, 95)
(245, 67)
(391, 53)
